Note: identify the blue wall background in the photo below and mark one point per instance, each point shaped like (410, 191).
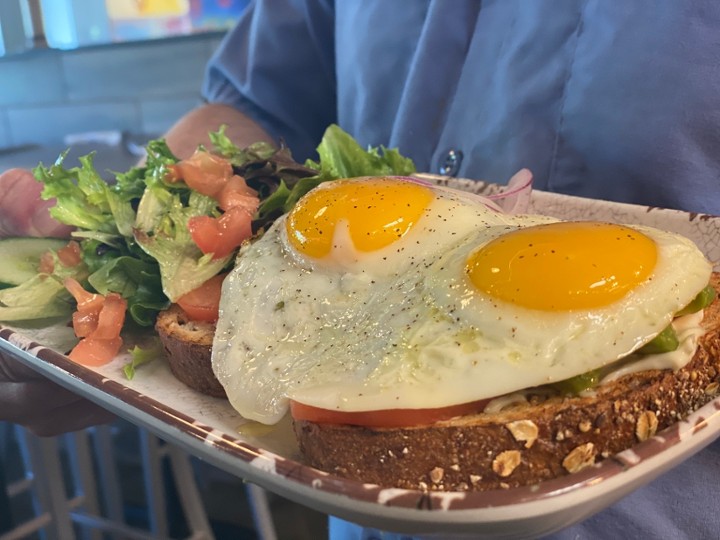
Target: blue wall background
(139, 88)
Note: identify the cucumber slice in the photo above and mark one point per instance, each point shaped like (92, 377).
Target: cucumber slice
(19, 257)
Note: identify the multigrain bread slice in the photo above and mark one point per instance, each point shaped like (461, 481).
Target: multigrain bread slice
(524, 443)
(188, 348)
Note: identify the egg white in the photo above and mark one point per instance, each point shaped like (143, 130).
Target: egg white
(405, 328)
(450, 217)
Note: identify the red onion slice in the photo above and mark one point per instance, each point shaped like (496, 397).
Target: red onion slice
(515, 197)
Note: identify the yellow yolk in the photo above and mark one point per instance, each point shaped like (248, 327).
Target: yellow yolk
(563, 266)
(377, 212)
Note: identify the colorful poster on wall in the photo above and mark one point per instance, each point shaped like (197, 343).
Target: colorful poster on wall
(215, 14)
(147, 19)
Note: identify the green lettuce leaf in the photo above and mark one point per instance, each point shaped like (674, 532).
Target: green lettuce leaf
(341, 156)
(133, 231)
(42, 296)
(141, 356)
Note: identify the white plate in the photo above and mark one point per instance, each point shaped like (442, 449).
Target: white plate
(210, 429)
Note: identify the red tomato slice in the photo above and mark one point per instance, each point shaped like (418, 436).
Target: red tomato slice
(70, 254)
(205, 232)
(223, 235)
(85, 300)
(237, 193)
(95, 352)
(98, 321)
(235, 228)
(111, 317)
(386, 418)
(47, 263)
(85, 322)
(204, 172)
(203, 303)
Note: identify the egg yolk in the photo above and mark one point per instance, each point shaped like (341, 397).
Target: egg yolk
(563, 266)
(377, 212)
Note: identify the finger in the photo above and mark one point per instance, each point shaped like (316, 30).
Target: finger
(19, 191)
(44, 407)
(22, 401)
(43, 224)
(12, 370)
(22, 210)
(47, 408)
(75, 416)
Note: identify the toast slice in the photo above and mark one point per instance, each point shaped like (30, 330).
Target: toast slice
(188, 349)
(524, 443)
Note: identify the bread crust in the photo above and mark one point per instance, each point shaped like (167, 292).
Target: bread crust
(525, 443)
(188, 350)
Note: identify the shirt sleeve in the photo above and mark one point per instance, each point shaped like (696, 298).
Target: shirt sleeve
(277, 66)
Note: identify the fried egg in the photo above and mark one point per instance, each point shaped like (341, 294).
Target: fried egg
(382, 293)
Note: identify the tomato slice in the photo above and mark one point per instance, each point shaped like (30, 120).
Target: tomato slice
(204, 172)
(205, 232)
(47, 263)
(95, 352)
(84, 323)
(85, 299)
(98, 321)
(222, 235)
(236, 192)
(111, 317)
(203, 303)
(70, 255)
(386, 418)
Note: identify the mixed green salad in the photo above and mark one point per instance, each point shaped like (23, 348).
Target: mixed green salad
(133, 234)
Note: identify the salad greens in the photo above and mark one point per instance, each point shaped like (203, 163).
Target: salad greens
(133, 232)
(140, 356)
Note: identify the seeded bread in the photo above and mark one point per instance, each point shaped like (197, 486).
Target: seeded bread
(188, 347)
(525, 443)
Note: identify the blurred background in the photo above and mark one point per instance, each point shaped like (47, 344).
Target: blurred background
(106, 76)
(74, 71)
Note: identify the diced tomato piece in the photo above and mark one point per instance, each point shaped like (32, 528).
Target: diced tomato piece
(98, 321)
(173, 173)
(203, 303)
(95, 352)
(111, 317)
(205, 232)
(384, 418)
(47, 263)
(85, 299)
(204, 172)
(223, 235)
(85, 322)
(236, 192)
(70, 255)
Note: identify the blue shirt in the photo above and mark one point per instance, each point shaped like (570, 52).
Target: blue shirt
(609, 100)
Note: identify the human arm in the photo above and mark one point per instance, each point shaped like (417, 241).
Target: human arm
(193, 129)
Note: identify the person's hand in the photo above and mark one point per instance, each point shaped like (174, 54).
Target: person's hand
(45, 408)
(22, 211)
(26, 397)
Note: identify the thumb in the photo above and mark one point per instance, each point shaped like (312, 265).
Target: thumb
(22, 210)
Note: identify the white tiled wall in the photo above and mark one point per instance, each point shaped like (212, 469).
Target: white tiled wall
(140, 88)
